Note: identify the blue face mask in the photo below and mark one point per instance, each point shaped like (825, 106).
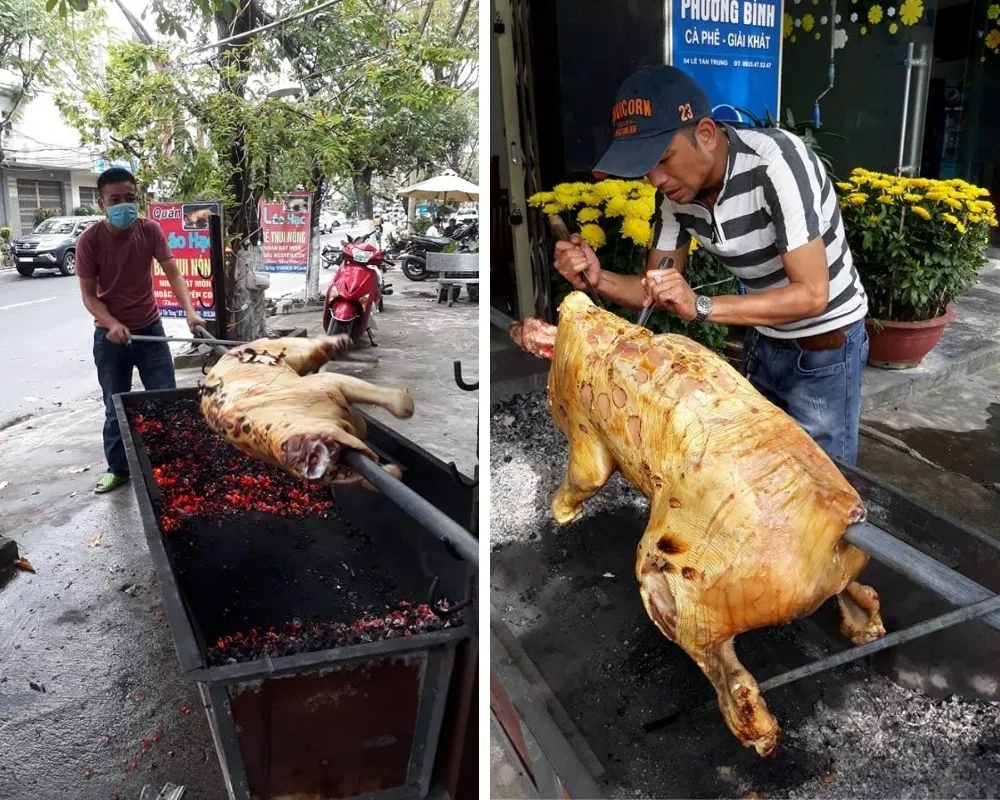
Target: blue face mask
(123, 215)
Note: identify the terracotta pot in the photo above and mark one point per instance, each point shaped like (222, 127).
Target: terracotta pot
(903, 345)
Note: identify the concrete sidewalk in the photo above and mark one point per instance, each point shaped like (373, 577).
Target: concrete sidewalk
(91, 701)
(969, 344)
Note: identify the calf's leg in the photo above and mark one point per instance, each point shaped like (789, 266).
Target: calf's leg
(590, 467)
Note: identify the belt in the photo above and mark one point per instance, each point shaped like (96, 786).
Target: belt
(831, 340)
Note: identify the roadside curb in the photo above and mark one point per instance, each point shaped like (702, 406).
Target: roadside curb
(920, 382)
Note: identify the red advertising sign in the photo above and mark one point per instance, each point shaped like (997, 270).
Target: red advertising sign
(186, 227)
(286, 227)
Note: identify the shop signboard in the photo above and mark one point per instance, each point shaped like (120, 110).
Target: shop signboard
(186, 226)
(286, 227)
(732, 48)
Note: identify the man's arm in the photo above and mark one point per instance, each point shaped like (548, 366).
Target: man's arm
(180, 289)
(805, 296)
(629, 290)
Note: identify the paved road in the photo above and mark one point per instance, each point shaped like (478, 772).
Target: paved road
(46, 336)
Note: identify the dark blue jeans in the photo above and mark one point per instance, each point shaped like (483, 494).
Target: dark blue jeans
(114, 371)
(821, 390)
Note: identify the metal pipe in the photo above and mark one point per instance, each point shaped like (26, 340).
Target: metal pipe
(500, 320)
(439, 524)
(932, 625)
(920, 568)
(939, 623)
(906, 106)
(832, 70)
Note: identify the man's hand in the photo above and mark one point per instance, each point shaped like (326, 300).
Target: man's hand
(118, 333)
(667, 288)
(575, 257)
(193, 320)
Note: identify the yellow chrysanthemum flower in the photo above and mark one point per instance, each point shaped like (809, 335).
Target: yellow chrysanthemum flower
(541, 198)
(642, 208)
(787, 25)
(951, 219)
(615, 206)
(875, 14)
(863, 30)
(886, 199)
(693, 246)
(553, 208)
(993, 11)
(594, 236)
(975, 219)
(959, 227)
(638, 230)
(808, 21)
(610, 188)
(847, 187)
(953, 203)
(993, 39)
(910, 11)
(893, 28)
(910, 197)
(588, 215)
(856, 198)
(936, 194)
(921, 212)
(591, 198)
(896, 190)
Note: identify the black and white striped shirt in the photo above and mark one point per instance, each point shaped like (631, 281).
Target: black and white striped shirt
(776, 197)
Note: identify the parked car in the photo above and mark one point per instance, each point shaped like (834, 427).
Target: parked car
(51, 245)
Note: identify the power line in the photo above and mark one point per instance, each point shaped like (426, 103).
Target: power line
(268, 26)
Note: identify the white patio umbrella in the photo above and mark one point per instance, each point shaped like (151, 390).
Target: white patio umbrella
(447, 186)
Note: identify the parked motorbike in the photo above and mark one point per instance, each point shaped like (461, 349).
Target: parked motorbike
(330, 255)
(356, 290)
(416, 247)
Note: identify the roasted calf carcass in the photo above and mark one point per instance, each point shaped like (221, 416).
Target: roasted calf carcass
(747, 513)
(269, 400)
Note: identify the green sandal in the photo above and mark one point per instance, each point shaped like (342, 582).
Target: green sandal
(110, 482)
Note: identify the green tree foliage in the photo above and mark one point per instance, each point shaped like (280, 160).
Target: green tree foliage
(40, 50)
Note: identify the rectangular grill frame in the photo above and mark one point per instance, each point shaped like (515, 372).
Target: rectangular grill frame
(432, 654)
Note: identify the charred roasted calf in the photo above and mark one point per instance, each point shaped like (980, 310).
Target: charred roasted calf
(747, 513)
(269, 400)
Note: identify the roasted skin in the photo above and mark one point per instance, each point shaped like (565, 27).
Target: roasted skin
(269, 400)
(747, 513)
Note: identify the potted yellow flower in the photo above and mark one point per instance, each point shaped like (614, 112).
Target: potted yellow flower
(917, 244)
(615, 217)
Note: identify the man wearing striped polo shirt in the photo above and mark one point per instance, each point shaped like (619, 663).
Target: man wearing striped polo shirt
(762, 202)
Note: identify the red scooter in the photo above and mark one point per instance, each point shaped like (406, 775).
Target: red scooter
(356, 290)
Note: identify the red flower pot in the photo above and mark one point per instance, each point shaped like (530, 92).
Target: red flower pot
(903, 345)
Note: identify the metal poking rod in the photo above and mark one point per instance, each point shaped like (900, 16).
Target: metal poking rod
(948, 620)
(438, 523)
(920, 568)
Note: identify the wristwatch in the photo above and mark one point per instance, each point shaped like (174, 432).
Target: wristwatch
(703, 306)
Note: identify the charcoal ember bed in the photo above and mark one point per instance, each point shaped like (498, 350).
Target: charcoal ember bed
(570, 597)
(267, 563)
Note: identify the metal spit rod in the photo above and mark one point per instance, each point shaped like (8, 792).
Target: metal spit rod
(920, 568)
(948, 620)
(220, 344)
(438, 523)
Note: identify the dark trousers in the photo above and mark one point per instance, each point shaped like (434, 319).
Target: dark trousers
(114, 371)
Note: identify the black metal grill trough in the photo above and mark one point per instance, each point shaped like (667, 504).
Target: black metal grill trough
(363, 715)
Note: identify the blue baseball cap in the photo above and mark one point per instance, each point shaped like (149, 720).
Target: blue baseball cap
(652, 105)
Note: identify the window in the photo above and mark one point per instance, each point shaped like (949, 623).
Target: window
(88, 195)
(32, 195)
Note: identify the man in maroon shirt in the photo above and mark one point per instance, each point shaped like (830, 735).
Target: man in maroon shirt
(114, 261)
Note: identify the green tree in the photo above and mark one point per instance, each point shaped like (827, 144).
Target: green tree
(40, 50)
